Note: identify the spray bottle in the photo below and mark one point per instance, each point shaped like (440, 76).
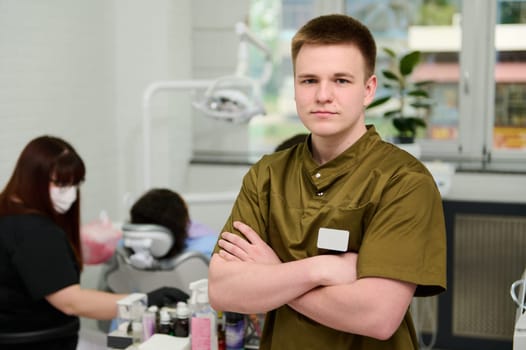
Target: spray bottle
(203, 325)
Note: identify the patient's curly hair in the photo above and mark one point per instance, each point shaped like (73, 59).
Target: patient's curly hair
(161, 206)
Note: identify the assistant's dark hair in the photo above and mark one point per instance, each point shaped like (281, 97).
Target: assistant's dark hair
(337, 29)
(161, 206)
(46, 159)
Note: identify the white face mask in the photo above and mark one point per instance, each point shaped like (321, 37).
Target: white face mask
(63, 197)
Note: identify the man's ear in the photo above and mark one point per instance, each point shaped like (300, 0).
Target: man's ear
(370, 90)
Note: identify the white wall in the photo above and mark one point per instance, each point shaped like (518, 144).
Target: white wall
(57, 77)
(224, 181)
(152, 42)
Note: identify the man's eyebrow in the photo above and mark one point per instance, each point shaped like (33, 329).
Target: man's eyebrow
(307, 75)
(344, 75)
(337, 75)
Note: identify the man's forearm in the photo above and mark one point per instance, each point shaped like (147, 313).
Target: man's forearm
(251, 287)
(373, 307)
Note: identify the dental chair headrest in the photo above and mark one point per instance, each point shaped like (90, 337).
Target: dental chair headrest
(155, 239)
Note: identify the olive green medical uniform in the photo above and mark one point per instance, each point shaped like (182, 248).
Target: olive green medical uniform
(384, 197)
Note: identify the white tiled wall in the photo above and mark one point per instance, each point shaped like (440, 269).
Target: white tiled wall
(57, 77)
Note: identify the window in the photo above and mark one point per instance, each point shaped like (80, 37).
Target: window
(475, 55)
(431, 27)
(275, 22)
(509, 131)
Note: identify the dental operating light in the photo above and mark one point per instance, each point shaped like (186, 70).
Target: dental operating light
(235, 98)
(238, 98)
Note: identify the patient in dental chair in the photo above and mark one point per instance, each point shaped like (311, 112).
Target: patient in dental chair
(160, 243)
(161, 246)
(164, 207)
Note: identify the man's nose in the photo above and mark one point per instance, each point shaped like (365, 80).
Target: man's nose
(325, 92)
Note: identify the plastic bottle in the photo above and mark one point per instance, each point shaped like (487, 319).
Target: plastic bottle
(137, 332)
(235, 330)
(148, 324)
(203, 326)
(182, 322)
(165, 323)
(155, 310)
(197, 287)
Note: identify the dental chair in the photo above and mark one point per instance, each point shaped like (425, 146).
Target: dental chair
(136, 266)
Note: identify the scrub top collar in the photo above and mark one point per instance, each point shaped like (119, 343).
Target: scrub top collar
(322, 176)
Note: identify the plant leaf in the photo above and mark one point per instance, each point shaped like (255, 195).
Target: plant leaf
(390, 75)
(425, 105)
(407, 126)
(379, 101)
(418, 93)
(409, 62)
(423, 83)
(389, 52)
(391, 113)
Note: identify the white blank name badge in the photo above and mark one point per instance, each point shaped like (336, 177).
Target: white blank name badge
(332, 239)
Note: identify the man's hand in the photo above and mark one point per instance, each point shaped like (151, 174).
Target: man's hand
(253, 249)
(331, 269)
(247, 265)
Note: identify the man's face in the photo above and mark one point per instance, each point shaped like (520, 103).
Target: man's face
(331, 92)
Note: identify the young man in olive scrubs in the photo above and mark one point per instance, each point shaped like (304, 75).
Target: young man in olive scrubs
(333, 237)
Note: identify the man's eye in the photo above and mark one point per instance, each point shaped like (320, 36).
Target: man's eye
(308, 81)
(342, 81)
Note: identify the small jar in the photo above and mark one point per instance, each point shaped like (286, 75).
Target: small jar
(234, 331)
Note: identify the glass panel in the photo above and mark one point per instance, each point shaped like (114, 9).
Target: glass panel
(399, 25)
(509, 131)
(275, 22)
(431, 27)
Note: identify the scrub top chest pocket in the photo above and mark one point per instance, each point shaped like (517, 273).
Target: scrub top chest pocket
(342, 230)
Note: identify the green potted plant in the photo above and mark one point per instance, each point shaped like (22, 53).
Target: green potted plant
(412, 101)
